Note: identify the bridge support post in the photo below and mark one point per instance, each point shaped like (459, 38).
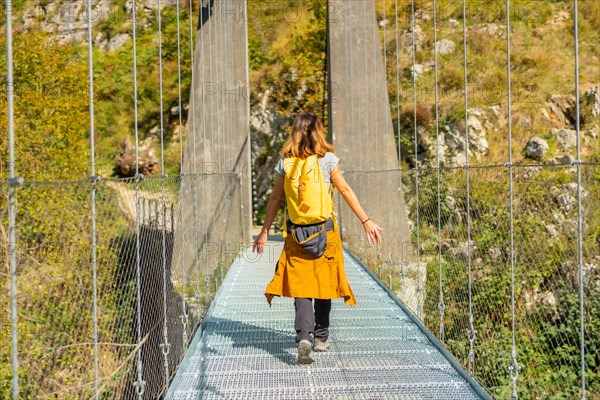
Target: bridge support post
(362, 132)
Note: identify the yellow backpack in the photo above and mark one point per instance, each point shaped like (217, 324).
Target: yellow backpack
(307, 198)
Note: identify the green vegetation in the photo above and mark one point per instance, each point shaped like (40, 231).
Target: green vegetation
(546, 288)
(287, 54)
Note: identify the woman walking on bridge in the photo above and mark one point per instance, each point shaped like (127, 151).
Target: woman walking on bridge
(311, 265)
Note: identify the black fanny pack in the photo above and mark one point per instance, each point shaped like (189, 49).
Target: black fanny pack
(312, 238)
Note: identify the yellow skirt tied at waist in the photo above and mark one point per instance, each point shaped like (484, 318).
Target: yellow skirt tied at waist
(300, 274)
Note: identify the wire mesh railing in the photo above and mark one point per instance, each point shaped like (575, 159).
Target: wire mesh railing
(546, 274)
(109, 279)
(501, 258)
(54, 281)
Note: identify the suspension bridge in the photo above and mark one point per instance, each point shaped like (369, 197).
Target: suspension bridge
(151, 289)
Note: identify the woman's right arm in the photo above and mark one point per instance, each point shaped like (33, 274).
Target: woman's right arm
(372, 230)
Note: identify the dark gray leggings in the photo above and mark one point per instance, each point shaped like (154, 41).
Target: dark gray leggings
(311, 322)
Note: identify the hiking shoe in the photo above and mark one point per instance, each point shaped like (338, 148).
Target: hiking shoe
(304, 352)
(321, 346)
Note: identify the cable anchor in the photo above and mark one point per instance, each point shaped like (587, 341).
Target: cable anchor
(165, 347)
(16, 181)
(140, 384)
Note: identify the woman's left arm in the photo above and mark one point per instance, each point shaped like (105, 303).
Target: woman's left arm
(272, 207)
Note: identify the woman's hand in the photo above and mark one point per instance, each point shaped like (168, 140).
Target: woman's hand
(259, 242)
(373, 232)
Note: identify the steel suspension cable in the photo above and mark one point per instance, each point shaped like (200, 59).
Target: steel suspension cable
(12, 198)
(211, 15)
(222, 167)
(140, 383)
(184, 315)
(398, 86)
(165, 346)
(471, 331)
(579, 207)
(229, 69)
(229, 118)
(219, 71)
(376, 133)
(230, 122)
(249, 134)
(387, 143)
(347, 94)
(354, 37)
(514, 367)
(362, 239)
(217, 149)
(93, 180)
(416, 169)
(441, 305)
(192, 112)
(397, 66)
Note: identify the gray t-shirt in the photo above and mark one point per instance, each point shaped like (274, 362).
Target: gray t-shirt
(327, 163)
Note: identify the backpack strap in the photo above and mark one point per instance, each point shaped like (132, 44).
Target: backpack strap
(285, 219)
(332, 203)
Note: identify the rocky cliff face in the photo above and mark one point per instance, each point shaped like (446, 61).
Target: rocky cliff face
(559, 112)
(68, 19)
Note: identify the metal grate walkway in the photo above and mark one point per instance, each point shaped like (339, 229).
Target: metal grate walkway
(379, 351)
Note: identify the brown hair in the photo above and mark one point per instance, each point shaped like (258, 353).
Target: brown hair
(307, 137)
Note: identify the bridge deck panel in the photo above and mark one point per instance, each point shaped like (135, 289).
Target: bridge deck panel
(246, 349)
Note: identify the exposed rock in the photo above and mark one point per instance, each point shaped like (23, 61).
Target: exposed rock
(495, 253)
(125, 166)
(591, 101)
(422, 14)
(564, 159)
(455, 137)
(591, 272)
(551, 229)
(491, 29)
(565, 201)
(116, 42)
(128, 6)
(566, 138)
(593, 133)
(565, 196)
(536, 148)
(153, 4)
(413, 286)
(415, 71)
(445, 47)
(30, 18)
(572, 187)
(453, 22)
(67, 20)
(101, 41)
(559, 19)
(532, 299)
(530, 172)
(462, 251)
(267, 129)
(548, 298)
(406, 39)
(452, 141)
(561, 110)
